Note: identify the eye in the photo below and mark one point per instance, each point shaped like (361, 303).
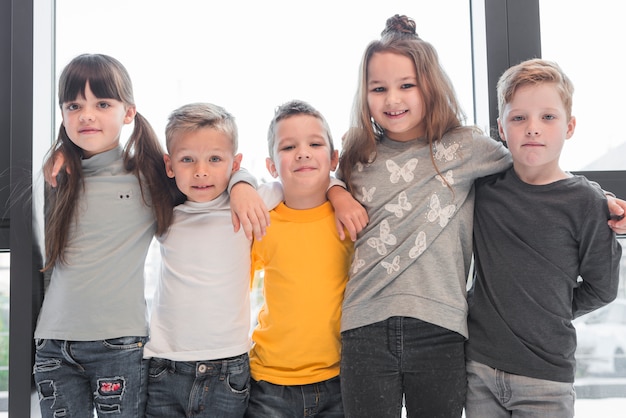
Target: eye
(186, 160)
(549, 117)
(215, 159)
(103, 105)
(407, 86)
(71, 106)
(378, 90)
(517, 118)
(287, 148)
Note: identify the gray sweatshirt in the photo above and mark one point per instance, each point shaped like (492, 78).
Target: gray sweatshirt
(413, 257)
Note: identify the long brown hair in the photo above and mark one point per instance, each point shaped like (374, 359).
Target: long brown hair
(442, 110)
(143, 154)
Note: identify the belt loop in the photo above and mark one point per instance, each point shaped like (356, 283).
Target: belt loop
(223, 370)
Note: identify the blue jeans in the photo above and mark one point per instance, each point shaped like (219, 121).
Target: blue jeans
(215, 388)
(75, 377)
(494, 393)
(322, 399)
(382, 362)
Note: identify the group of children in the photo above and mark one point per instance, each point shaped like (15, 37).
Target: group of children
(361, 315)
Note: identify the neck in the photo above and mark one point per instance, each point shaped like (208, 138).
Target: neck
(304, 201)
(540, 176)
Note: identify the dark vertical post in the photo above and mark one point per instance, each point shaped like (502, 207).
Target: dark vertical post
(512, 29)
(25, 259)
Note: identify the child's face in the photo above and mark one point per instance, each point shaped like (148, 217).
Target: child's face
(202, 162)
(394, 98)
(535, 126)
(302, 160)
(94, 124)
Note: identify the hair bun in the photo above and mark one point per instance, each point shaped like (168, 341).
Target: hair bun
(399, 25)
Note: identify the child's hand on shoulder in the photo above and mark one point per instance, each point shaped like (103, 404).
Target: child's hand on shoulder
(617, 207)
(51, 171)
(349, 213)
(248, 211)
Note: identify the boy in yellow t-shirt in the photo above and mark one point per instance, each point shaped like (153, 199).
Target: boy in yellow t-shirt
(294, 361)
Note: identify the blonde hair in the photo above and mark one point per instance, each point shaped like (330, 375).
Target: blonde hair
(194, 116)
(532, 72)
(442, 110)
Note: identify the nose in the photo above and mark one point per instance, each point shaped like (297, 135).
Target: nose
(201, 171)
(303, 154)
(391, 97)
(86, 115)
(531, 129)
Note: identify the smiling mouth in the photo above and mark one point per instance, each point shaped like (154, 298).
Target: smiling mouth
(201, 187)
(396, 113)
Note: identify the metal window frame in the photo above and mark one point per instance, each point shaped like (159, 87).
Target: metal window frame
(25, 279)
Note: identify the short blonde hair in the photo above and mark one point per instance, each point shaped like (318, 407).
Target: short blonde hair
(532, 72)
(194, 116)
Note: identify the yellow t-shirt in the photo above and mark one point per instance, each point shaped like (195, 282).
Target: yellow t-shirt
(297, 340)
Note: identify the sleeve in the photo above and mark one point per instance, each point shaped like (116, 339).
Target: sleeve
(242, 175)
(271, 193)
(335, 182)
(489, 156)
(600, 255)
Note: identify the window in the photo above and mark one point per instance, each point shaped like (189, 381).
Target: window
(251, 62)
(582, 37)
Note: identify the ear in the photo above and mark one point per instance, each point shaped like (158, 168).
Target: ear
(271, 167)
(334, 160)
(131, 111)
(501, 130)
(571, 126)
(237, 162)
(168, 166)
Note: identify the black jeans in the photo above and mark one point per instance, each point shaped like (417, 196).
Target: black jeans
(399, 357)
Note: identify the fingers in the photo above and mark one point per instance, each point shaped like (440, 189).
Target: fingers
(618, 226)
(354, 223)
(254, 223)
(50, 173)
(340, 230)
(236, 222)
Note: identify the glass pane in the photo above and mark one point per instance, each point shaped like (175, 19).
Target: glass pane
(5, 258)
(189, 51)
(601, 355)
(584, 38)
(181, 52)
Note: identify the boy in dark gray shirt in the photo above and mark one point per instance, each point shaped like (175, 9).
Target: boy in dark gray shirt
(538, 231)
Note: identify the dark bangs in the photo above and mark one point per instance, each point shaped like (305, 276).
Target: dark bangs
(107, 79)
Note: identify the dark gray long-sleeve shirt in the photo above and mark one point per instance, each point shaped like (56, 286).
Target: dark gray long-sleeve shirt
(531, 244)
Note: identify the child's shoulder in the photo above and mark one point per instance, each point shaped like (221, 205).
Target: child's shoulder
(470, 137)
(585, 187)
